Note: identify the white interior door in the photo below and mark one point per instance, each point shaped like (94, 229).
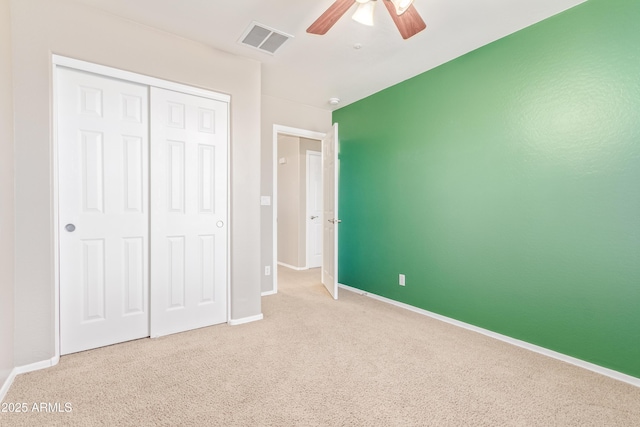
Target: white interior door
(330, 219)
(314, 209)
(188, 211)
(103, 210)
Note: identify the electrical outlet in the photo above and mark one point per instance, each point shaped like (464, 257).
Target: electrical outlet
(401, 280)
(267, 270)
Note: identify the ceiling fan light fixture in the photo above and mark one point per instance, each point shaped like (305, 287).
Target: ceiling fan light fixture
(364, 12)
(401, 5)
(409, 23)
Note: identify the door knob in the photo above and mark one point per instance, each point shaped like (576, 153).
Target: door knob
(70, 228)
(314, 217)
(220, 224)
(335, 221)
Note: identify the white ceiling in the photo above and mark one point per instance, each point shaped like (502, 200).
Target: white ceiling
(310, 69)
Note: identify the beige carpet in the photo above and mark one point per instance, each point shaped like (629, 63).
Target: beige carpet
(315, 361)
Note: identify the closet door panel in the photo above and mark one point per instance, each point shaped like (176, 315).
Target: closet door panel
(189, 137)
(103, 213)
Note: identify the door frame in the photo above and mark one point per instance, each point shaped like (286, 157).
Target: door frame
(76, 64)
(291, 131)
(308, 156)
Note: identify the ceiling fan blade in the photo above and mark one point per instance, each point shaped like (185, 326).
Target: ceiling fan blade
(330, 17)
(409, 23)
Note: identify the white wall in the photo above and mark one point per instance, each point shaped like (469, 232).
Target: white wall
(304, 146)
(43, 27)
(6, 196)
(276, 111)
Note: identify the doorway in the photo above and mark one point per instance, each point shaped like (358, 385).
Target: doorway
(299, 202)
(291, 137)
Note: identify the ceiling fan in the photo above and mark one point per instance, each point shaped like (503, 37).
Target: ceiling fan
(404, 15)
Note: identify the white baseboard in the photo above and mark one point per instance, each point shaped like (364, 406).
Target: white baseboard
(38, 365)
(7, 384)
(23, 370)
(292, 267)
(267, 293)
(236, 322)
(513, 341)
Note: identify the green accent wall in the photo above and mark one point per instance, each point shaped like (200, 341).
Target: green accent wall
(505, 185)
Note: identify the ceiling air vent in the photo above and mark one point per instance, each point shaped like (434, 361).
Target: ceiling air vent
(263, 38)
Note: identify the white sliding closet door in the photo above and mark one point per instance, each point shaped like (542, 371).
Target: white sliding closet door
(188, 212)
(103, 210)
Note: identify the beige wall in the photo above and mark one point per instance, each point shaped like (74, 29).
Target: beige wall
(6, 196)
(42, 27)
(277, 111)
(288, 200)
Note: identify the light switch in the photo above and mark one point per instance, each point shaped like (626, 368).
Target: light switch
(265, 200)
